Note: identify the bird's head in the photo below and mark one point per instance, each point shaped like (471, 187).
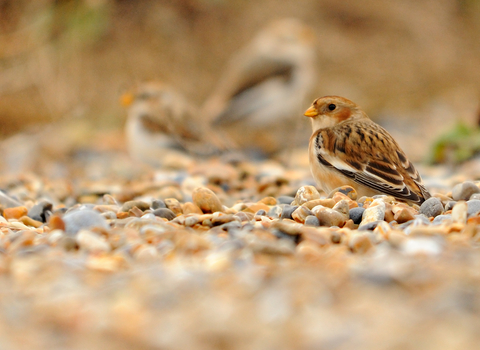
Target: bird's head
(328, 111)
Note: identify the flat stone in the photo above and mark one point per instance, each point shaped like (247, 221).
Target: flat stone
(287, 211)
(139, 204)
(325, 202)
(164, 213)
(375, 212)
(329, 217)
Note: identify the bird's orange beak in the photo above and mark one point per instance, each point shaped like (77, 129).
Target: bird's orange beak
(311, 112)
(127, 99)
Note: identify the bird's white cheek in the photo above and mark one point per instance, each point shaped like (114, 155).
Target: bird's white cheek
(322, 122)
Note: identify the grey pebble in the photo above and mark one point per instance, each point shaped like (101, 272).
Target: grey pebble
(356, 214)
(449, 205)
(473, 207)
(157, 204)
(164, 213)
(287, 211)
(441, 218)
(40, 211)
(83, 219)
(370, 226)
(311, 220)
(8, 202)
(261, 212)
(475, 196)
(464, 190)
(421, 219)
(275, 212)
(285, 199)
(431, 207)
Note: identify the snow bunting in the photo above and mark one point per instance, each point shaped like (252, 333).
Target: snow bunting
(347, 148)
(264, 87)
(160, 118)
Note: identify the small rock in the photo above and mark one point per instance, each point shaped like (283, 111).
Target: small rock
(342, 207)
(83, 219)
(449, 205)
(346, 190)
(440, 219)
(39, 211)
(325, 202)
(305, 194)
(431, 207)
(164, 213)
(190, 208)
(301, 213)
(329, 217)
(30, 222)
(464, 190)
(206, 200)
(356, 214)
(92, 242)
(473, 207)
(312, 220)
(287, 211)
(15, 212)
(360, 243)
(157, 204)
(174, 205)
(8, 202)
(275, 212)
(375, 212)
(403, 215)
(268, 201)
(139, 204)
(369, 226)
(459, 212)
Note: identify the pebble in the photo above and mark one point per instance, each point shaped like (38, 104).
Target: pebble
(275, 211)
(40, 211)
(83, 219)
(342, 207)
(174, 205)
(206, 200)
(157, 204)
(356, 214)
(131, 204)
(325, 202)
(305, 194)
(360, 243)
(287, 211)
(15, 212)
(301, 213)
(312, 220)
(403, 215)
(190, 208)
(369, 226)
(164, 213)
(329, 217)
(375, 212)
(8, 202)
(449, 205)
(464, 190)
(431, 207)
(459, 212)
(346, 190)
(91, 242)
(473, 207)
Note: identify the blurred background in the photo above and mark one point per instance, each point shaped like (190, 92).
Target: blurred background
(412, 65)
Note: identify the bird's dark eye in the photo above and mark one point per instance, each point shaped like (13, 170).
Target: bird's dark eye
(331, 106)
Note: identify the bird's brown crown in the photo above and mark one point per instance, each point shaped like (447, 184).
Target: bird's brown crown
(330, 110)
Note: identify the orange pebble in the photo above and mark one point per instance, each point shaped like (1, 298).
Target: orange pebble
(14, 213)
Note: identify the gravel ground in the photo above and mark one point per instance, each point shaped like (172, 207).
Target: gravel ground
(217, 254)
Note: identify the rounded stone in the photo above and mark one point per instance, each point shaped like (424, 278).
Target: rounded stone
(83, 219)
(403, 215)
(342, 207)
(464, 190)
(431, 207)
(157, 204)
(375, 212)
(346, 190)
(356, 214)
(473, 207)
(164, 213)
(329, 217)
(15, 212)
(275, 212)
(312, 220)
(449, 205)
(174, 205)
(131, 204)
(305, 194)
(206, 200)
(40, 211)
(301, 213)
(459, 212)
(287, 211)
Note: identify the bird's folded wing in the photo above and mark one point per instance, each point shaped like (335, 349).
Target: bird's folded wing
(377, 175)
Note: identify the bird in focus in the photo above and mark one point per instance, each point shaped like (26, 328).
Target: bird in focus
(161, 120)
(348, 148)
(264, 87)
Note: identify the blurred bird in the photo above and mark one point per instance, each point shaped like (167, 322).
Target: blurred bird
(264, 87)
(159, 118)
(347, 148)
